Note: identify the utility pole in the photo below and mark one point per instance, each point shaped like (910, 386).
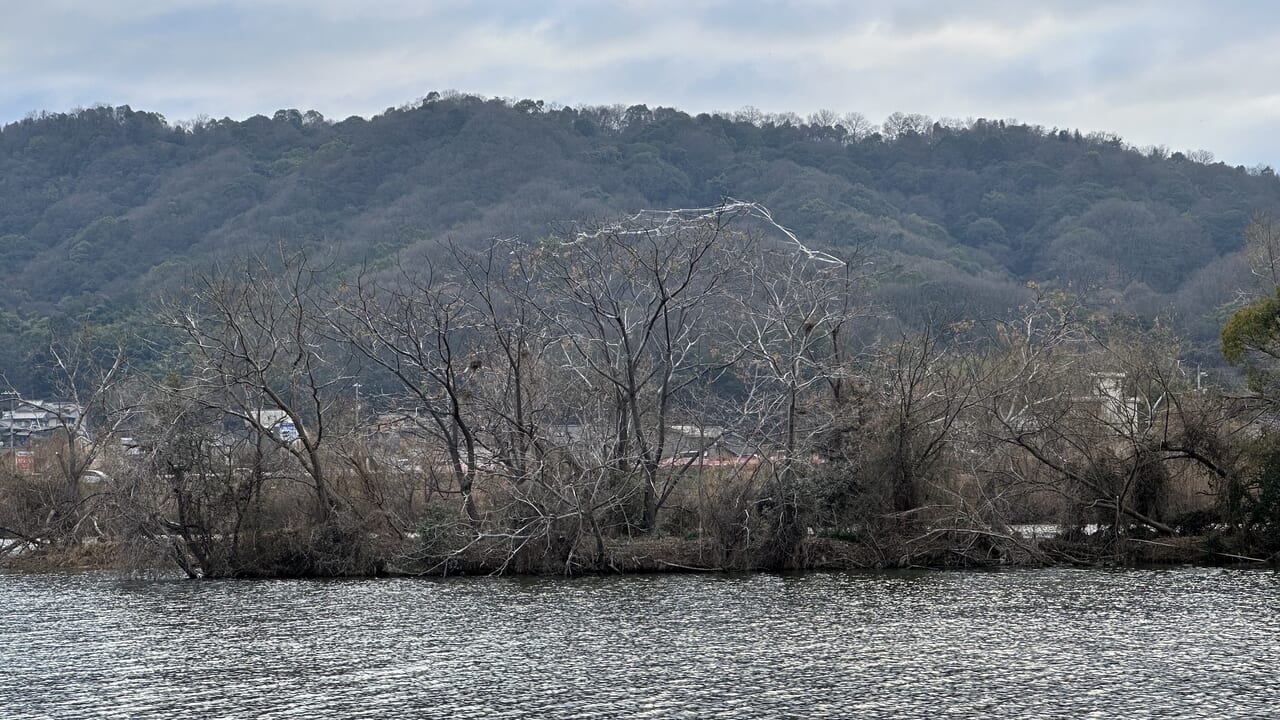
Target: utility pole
(13, 411)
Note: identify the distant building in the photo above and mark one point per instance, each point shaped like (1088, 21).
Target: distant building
(710, 442)
(1118, 411)
(31, 421)
(276, 422)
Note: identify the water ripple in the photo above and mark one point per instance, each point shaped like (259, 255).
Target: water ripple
(1183, 643)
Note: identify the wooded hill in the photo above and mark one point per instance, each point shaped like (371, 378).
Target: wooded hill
(101, 208)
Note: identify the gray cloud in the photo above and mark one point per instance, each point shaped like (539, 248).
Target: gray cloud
(1186, 75)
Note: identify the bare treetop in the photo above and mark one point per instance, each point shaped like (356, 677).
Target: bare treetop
(663, 222)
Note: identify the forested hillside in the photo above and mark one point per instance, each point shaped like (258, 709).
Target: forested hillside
(100, 208)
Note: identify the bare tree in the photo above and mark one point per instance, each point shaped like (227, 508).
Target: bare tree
(1262, 247)
(927, 385)
(824, 118)
(91, 404)
(190, 494)
(857, 125)
(421, 330)
(792, 327)
(254, 339)
(467, 342)
(1109, 423)
(632, 306)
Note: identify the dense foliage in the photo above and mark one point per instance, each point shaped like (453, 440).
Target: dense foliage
(103, 206)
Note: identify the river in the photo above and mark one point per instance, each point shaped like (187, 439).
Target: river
(1168, 643)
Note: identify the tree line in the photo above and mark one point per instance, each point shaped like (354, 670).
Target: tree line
(669, 390)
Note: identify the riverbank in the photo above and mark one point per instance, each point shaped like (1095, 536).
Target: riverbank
(818, 553)
(648, 555)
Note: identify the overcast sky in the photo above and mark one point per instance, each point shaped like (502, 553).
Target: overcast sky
(1188, 75)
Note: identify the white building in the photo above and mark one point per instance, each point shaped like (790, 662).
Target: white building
(34, 420)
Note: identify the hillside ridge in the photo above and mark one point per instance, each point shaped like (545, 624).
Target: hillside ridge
(104, 206)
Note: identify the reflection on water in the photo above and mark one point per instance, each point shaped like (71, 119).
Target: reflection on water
(1047, 643)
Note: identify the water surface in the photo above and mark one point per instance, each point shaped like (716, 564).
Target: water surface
(1177, 643)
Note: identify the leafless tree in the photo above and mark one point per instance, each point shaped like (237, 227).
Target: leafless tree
(632, 306)
(1108, 421)
(1262, 247)
(255, 341)
(824, 118)
(792, 326)
(857, 125)
(928, 385)
(420, 329)
(89, 379)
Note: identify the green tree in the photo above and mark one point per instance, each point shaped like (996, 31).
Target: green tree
(1251, 339)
